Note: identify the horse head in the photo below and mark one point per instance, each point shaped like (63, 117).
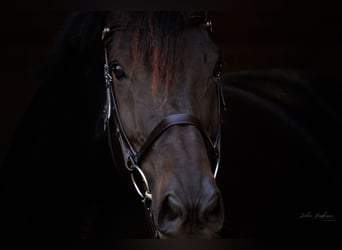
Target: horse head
(163, 112)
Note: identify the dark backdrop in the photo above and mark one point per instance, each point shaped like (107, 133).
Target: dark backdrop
(307, 38)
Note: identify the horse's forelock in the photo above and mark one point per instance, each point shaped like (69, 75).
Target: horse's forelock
(156, 38)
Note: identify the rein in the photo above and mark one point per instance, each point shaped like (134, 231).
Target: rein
(131, 158)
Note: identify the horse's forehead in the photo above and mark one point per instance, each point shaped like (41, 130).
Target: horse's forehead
(194, 39)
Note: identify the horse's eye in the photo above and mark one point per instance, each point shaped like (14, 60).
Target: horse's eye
(118, 71)
(218, 68)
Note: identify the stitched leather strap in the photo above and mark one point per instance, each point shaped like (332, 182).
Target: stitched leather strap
(166, 123)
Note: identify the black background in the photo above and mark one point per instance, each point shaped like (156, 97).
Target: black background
(302, 36)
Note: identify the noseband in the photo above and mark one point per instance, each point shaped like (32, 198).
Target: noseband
(132, 158)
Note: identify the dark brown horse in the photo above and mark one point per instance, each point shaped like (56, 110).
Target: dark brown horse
(279, 158)
(162, 75)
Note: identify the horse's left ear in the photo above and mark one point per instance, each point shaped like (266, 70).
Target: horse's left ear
(201, 17)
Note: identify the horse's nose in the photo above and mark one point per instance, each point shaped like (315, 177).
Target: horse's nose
(184, 215)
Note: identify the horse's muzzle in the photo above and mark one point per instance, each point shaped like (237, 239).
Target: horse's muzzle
(183, 215)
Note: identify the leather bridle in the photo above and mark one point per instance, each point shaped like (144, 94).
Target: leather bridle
(132, 158)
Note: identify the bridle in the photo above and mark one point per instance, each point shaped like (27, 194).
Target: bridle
(117, 137)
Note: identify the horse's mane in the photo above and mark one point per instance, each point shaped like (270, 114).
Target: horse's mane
(75, 67)
(78, 48)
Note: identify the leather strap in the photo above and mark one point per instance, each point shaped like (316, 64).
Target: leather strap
(166, 123)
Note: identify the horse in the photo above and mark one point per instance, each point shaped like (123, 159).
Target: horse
(159, 101)
(154, 82)
(59, 181)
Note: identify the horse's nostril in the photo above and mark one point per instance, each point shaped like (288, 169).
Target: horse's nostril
(170, 214)
(173, 209)
(213, 212)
